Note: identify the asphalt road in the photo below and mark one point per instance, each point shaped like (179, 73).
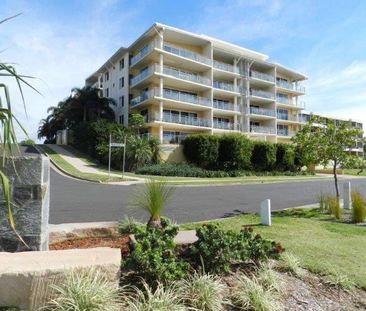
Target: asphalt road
(80, 201)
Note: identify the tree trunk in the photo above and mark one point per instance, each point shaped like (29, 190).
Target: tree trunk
(154, 223)
(336, 179)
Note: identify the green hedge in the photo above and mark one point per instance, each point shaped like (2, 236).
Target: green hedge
(285, 157)
(189, 170)
(263, 156)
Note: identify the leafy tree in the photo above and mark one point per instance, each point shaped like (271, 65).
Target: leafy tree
(138, 151)
(136, 122)
(328, 143)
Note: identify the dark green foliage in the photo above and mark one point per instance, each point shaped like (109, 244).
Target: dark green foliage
(189, 170)
(154, 256)
(263, 156)
(201, 150)
(285, 157)
(235, 152)
(218, 249)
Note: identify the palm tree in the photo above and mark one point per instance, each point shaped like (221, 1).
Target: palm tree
(138, 151)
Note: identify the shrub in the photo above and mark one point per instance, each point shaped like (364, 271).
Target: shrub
(263, 156)
(129, 225)
(203, 292)
(235, 151)
(218, 249)
(358, 207)
(290, 263)
(86, 290)
(249, 294)
(285, 157)
(334, 207)
(201, 149)
(163, 298)
(154, 256)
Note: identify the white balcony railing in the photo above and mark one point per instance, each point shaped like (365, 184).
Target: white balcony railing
(262, 129)
(262, 111)
(170, 138)
(144, 74)
(186, 54)
(287, 117)
(179, 119)
(226, 126)
(290, 86)
(261, 76)
(226, 86)
(145, 95)
(143, 52)
(188, 98)
(223, 105)
(225, 66)
(285, 132)
(290, 102)
(189, 76)
(261, 93)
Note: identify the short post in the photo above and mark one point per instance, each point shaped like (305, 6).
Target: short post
(109, 156)
(347, 198)
(265, 213)
(124, 158)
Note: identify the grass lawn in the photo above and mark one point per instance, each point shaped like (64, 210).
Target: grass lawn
(67, 167)
(323, 245)
(354, 172)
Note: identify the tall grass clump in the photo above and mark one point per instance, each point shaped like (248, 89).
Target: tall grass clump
(290, 263)
(337, 279)
(153, 199)
(358, 207)
(249, 294)
(269, 278)
(86, 290)
(148, 299)
(203, 292)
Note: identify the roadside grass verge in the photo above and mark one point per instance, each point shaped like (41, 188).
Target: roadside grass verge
(71, 170)
(321, 244)
(355, 172)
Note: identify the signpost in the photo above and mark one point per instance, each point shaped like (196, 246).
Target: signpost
(116, 145)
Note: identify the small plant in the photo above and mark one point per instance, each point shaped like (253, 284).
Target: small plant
(155, 194)
(129, 225)
(334, 207)
(290, 263)
(249, 294)
(322, 198)
(358, 207)
(154, 256)
(203, 292)
(268, 278)
(86, 290)
(147, 299)
(337, 279)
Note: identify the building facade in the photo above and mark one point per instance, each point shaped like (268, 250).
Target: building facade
(184, 83)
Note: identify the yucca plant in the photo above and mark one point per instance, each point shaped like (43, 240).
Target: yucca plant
(8, 138)
(153, 199)
(86, 290)
(358, 207)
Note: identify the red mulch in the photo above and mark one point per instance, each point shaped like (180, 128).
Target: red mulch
(91, 242)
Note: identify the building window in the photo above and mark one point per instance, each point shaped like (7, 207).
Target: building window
(107, 76)
(123, 101)
(121, 64)
(121, 119)
(107, 92)
(121, 82)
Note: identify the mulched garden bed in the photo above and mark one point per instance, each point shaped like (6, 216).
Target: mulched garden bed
(91, 242)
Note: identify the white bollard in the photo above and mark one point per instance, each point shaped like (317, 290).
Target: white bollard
(266, 213)
(347, 198)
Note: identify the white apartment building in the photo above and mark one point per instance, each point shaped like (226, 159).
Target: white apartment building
(185, 83)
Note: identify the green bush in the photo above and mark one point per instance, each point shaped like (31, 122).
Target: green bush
(285, 157)
(235, 151)
(263, 156)
(217, 249)
(154, 255)
(358, 207)
(201, 149)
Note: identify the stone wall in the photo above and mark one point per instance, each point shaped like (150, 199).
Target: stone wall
(29, 175)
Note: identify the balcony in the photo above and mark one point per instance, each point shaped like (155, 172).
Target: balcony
(144, 96)
(175, 139)
(261, 76)
(287, 117)
(225, 67)
(290, 86)
(143, 52)
(262, 129)
(187, 54)
(285, 133)
(144, 74)
(187, 98)
(184, 75)
(290, 102)
(225, 126)
(185, 120)
(225, 86)
(224, 105)
(261, 93)
(262, 112)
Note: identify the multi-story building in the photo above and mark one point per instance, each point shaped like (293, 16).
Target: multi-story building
(185, 83)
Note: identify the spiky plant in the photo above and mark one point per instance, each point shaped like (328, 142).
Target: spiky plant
(153, 199)
(290, 263)
(358, 207)
(269, 278)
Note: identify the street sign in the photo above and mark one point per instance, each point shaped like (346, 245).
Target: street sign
(117, 145)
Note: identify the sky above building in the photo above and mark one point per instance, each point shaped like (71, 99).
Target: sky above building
(62, 42)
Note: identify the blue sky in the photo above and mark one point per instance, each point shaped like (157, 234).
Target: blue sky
(62, 42)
